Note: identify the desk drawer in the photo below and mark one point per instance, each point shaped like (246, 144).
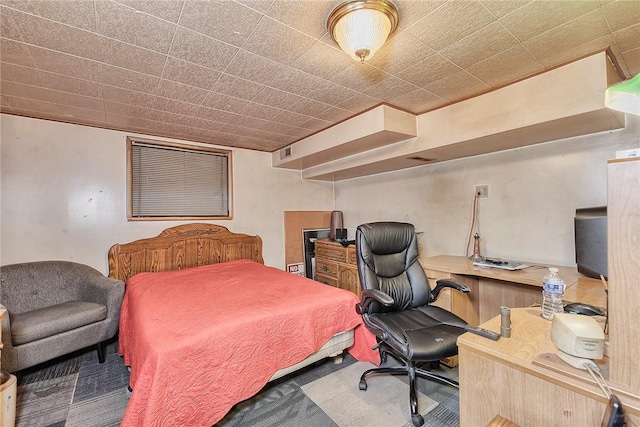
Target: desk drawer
(326, 268)
(351, 255)
(327, 280)
(334, 253)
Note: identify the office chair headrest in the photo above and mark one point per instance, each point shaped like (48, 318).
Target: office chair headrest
(384, 238)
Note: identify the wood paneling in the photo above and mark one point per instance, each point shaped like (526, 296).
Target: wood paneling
(294, 223)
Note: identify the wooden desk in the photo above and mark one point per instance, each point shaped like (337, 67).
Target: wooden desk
(521, 379)
(492, 288)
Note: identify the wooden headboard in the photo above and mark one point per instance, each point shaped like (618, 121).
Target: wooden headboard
(183, 246)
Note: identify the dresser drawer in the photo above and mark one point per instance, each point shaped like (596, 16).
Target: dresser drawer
(327, 280)
(351, 255)
(326, 268)
(330, 252)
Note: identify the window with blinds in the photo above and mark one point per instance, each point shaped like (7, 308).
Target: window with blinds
(172, 181)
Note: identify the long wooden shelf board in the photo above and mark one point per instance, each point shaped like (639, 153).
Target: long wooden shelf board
(562, 103)
(372, 129)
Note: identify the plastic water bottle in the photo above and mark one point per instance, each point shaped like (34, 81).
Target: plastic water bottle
(552, 292)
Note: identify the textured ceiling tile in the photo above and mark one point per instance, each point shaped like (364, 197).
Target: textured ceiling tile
(213, 114)
(124, 118)
(411, 12)
(15, 53)
(125, 24)
(457, 86)
(62, 63)
(52, 35)
(501, 8)
(330, 93)
(238, 88)
(223, 20)
(306, 16)
(18, 73)
(316, 124)
(261, 6)
(168, 10)
(189, 73)
(133, 111)
(632, 59)
(622, 14)
(537, 17)
(507, 66)
(289, 118)
(579, 31)
(48, 95)
(85, 115)
(335, 114)
(181, 92)
(128, 79)
(323, 61)
(487, 41)
(450, 23)
(76, 13)
(431, 69)
(126, 96)
(401, 51)
(199, 49)
(276, 41)
(277, 98)
(308, 107)
(390, 87)
(359, 77)
(297, 82)
(265, 112)
(417, 101)
(224, 102)
(173, 106)
(71, 85)
(580, 51)
(32, 105)
(358, 103)
(132, 57)
(8, 27)
(628, 38)
(249, 66)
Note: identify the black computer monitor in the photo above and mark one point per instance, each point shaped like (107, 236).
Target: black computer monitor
(590, 226)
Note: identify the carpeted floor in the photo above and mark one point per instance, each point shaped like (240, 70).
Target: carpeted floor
(78, 391)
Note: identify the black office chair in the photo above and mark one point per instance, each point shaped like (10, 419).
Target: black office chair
(395, 306)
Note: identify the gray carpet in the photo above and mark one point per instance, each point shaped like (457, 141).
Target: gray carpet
(78, 391)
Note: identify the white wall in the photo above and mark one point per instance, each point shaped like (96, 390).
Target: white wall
(63, 195)
(533, 194)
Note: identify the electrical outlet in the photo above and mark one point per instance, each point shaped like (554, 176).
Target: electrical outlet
(482, 191)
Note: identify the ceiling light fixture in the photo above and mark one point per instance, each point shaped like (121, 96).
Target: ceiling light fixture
(361, 27)
(624, 96)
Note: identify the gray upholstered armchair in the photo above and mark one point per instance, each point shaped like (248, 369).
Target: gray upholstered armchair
(55, 308)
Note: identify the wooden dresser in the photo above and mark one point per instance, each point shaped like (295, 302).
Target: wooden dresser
(336, 266)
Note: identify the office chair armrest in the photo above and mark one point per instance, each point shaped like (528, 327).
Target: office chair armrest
(448, 283)
(370, 296)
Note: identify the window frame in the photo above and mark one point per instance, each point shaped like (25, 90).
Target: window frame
(192, 148)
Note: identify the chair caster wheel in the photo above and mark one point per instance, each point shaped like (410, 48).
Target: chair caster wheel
(363, 385)
(417, 420)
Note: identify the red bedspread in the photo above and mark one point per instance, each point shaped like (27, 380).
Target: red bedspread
(202, 339)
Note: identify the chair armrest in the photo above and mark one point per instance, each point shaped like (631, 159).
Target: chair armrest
(104, 290)
(6, 331)
(448, 283)
(370, 296)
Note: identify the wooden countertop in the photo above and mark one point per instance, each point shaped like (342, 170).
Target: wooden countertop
(531, 275)
(531, 350)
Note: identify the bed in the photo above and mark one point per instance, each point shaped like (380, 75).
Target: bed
(205, 324)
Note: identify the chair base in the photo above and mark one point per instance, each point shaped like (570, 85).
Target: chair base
(412, 371)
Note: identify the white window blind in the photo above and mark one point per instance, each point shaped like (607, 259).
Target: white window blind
(171, 181)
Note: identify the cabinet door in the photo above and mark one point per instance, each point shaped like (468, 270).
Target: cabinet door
(348, 279)
(326, 268)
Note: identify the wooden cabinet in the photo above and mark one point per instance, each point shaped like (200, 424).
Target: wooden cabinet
(336, 266)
